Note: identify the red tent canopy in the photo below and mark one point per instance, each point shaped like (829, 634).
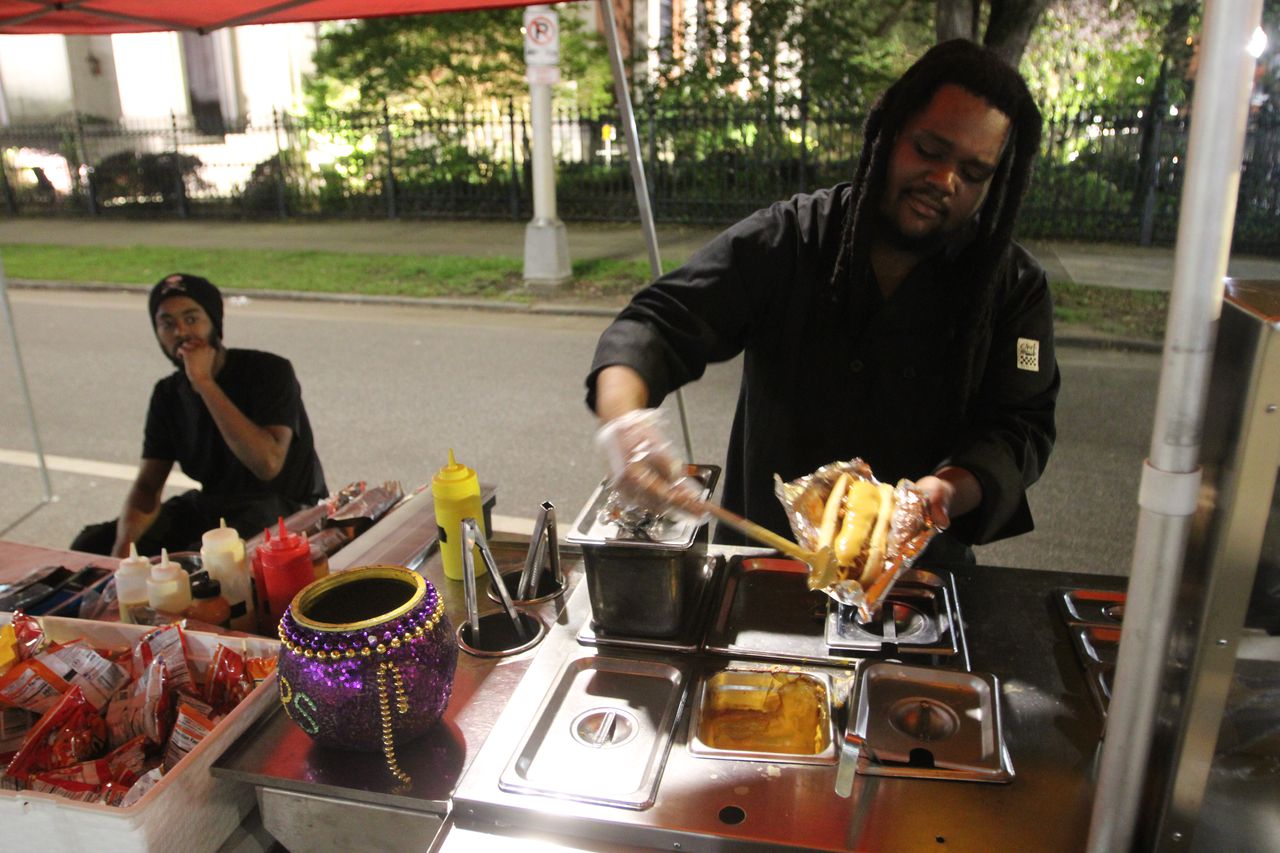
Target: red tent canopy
(99, 17)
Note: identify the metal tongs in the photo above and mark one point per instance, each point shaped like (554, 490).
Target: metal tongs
(544, 540)
(473, 538)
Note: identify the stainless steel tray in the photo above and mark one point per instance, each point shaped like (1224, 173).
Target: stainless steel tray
(1092, 606)
(920, 617)
(929, 723)
(688, 635)
(767, 613)
(748, 680)
(602, 733)
(1096, 644)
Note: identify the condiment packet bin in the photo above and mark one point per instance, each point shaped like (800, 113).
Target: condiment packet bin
(189, 809)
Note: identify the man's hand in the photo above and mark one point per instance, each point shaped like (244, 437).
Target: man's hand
(141, 504)
(198, 359)
(643, 462)
(950, 492)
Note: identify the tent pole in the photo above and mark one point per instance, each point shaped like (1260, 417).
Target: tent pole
(628, 119)
(1170, 483)
(22, 383)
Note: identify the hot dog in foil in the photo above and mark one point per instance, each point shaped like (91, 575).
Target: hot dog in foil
(875, 529)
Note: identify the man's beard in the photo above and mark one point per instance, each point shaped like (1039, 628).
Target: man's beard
(918, 244)
(215, 341)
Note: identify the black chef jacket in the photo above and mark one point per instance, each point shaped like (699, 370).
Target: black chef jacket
(830, 375)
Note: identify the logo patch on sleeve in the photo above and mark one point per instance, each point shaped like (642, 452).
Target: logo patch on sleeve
(1028, 354)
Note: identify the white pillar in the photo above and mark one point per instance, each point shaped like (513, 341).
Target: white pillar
(546, 244)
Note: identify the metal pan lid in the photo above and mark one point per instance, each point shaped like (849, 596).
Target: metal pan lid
(595, 528)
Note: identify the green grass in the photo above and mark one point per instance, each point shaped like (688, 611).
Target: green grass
(1112, 310)
(1109, 310)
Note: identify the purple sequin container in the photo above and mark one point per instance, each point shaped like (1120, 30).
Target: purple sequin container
(368, 658)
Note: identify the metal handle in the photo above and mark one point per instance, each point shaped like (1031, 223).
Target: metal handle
(472, 536)
(850, 750)
(537, 547)
(469, 578)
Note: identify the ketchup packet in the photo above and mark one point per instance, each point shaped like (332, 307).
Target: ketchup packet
(142, 708)
(166, 642)
(29, 633)
(38, 683)
(229, 680)
(89, 781)
(97, 676)
(259, 669)
(35, 684)
(71, 732)
(191, 727)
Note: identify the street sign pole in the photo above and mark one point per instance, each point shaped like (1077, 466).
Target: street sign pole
(546, 244)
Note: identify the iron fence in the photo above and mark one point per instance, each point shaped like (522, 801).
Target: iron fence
(1113, 175)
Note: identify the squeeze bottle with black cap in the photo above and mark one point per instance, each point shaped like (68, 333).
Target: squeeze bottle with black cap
(286, 568)
(455, 489)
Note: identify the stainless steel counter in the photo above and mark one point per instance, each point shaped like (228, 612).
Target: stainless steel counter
(322, 798)
(326, 799)
(1051, 726)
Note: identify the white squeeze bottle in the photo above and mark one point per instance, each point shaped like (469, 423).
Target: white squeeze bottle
(222, 555)
(168, 587)
(131, 582)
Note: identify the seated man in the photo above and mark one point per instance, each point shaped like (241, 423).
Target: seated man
(232, 418)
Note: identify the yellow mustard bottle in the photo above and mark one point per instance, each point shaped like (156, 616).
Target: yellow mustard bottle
(455, 489)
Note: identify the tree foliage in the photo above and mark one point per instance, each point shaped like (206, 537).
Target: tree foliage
(1090, 53)
(775, 51)
(446, 62)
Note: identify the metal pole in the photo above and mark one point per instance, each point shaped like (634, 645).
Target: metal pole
(390, 188)
(179, 185)
(628, 120)
(282, 209)
(22, 383)
(1171, 476)
(515, 173)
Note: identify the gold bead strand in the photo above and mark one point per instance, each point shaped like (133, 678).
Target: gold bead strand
(388, 735)
(402, 702)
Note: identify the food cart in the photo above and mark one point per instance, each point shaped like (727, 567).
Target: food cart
(1111, 717)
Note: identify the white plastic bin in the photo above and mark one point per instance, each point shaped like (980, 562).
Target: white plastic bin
(188, 810)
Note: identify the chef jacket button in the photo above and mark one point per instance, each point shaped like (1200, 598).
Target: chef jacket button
(856, 365)
(908, 373)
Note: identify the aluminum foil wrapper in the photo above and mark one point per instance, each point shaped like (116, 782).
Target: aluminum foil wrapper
(910, 530)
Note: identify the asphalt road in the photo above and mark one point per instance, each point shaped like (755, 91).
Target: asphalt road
(391, 389)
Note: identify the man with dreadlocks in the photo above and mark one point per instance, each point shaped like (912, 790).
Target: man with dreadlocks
(890, 318)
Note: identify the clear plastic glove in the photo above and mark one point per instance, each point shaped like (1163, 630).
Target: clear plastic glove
(644, 466)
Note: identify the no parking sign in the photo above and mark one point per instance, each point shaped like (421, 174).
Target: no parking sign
(541, 36)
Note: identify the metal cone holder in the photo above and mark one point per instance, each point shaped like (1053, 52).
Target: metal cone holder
(496, 634)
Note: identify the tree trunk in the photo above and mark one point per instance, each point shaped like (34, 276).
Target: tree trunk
(957, 19)
(1010, 27)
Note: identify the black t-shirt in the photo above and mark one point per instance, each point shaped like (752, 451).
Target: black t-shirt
(830, 375)
(263, 386)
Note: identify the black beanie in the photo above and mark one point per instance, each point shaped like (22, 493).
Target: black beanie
(203, 291)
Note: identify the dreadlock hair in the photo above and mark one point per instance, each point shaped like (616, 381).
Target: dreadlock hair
(973, 292)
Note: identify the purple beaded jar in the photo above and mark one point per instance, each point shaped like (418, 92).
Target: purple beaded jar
(367, 660)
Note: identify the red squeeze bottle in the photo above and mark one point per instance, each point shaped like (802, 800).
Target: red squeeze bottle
(286, 568)
(266, 621)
